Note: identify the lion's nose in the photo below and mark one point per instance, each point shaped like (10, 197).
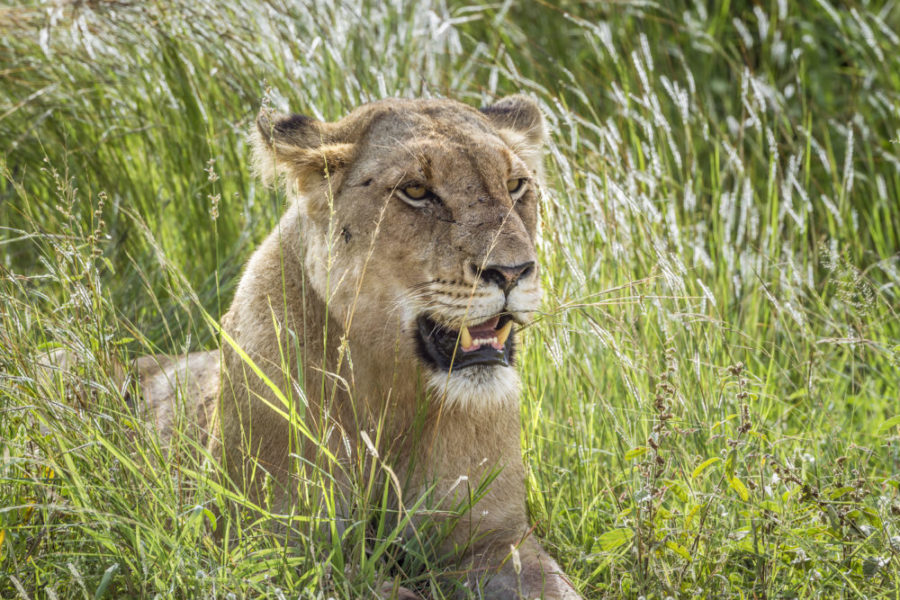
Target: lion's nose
(505, 277)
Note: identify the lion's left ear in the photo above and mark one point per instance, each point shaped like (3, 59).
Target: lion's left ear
(521, 125)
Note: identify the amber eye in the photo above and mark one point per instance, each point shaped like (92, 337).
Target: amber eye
(416, 192)
(416, 195)
(514, 186)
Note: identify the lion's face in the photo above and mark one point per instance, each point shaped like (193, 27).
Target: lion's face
(421, 235)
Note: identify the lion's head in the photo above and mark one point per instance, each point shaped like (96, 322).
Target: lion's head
(419, 223)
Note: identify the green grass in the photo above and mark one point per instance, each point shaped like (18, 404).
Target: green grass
(710, 395)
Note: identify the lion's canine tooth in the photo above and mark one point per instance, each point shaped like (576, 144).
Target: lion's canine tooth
(503, 334)
(465, 338)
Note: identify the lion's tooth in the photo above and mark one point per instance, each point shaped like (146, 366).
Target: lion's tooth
(465, 338)
(503, 334)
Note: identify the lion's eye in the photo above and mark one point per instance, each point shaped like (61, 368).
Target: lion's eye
(415, 195)
(515, 186)
(415, 192)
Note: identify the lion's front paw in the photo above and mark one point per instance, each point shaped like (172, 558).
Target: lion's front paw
(533, 575)
(390, 591)
(530, 585)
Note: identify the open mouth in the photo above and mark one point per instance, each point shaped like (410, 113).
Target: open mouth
(487, 343)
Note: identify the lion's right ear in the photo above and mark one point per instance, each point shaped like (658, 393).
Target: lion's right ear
(297, 150)
(519, 122)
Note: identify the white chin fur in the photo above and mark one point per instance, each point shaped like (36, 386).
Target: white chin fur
(475, 388)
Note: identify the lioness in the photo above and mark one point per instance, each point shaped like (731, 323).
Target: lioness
(392, 287)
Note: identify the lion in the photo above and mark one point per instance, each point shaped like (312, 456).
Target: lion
(388, 299)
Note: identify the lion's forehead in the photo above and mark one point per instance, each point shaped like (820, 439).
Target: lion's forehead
(437, 161)
(433, 110)
(398, 121)
(440, 141)
(440, 159)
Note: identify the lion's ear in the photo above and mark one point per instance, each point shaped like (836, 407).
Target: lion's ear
(297, 149)
(521, 125)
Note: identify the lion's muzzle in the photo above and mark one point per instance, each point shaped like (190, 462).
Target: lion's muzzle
(489, 343)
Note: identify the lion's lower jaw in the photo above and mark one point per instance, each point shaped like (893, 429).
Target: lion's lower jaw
(475, 388)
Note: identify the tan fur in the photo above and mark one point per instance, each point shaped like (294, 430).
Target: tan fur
(337, 287)
(166, 381)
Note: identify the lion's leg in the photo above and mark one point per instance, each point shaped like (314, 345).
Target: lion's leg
(505, 562)
(484, 454)
(165, 381)
(527, 573)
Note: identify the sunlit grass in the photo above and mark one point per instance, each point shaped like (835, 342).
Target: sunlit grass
(709, 395)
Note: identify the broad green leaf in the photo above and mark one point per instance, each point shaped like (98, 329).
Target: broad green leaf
(636, 452)
(841, 491)
(703, 466)
(678, 488)
(614, 538)
(679, 550)
(689, 518)
(889, 424)
(730, 463)
(738, 486)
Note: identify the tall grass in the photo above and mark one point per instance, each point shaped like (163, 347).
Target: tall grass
(711, 395)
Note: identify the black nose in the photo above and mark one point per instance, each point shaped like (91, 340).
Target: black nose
(503, 276)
